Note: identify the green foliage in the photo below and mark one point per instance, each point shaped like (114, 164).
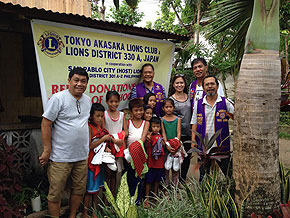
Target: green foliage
(173, 202)
(124, 205)
(182, 11)
(95, 11)
(233, 17)
(211, 198)
(126, 15)
(285, 184)
(285, 118)
(284, 135)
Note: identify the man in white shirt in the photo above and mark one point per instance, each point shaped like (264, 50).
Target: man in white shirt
(65, 138)
(210, 114)
(199, 68)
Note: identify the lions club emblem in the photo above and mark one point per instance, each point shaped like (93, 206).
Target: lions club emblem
(50, 44)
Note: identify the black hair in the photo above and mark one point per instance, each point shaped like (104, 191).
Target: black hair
(167, 100)
(147, 96)
(172, 89)
(196, 60)
(155, 120)
(209, 76)
(135, 103)
(146, 106)
(79, 71)
(146, 65)
(96, 107)
(112, 93)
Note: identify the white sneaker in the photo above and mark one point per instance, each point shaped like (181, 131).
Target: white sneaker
(127, 155)
(112, 166)
(176, 165)
(168, 162)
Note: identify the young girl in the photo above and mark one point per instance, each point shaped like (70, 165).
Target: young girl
(150, 99)
(155, 162)
(171, 128)
(148, 113)
(96, 176)
(115, 123)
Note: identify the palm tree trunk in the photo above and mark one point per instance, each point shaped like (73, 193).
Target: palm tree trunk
(257, 108)
(256, 144)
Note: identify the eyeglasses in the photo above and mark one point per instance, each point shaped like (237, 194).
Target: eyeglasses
(78, 106)
(179, 74)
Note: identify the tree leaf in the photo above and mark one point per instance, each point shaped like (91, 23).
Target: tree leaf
(132, 212)
(123, 196)
(213, 138)
(111, 200)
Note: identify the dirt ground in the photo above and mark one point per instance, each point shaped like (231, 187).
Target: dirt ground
(284, 153)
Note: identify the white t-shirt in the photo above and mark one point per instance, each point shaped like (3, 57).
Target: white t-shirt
(70, 130)
(210, 115)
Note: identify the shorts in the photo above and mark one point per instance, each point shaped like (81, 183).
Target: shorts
(58, 174)
(154, 175)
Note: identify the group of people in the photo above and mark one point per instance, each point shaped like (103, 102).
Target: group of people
(86, 144)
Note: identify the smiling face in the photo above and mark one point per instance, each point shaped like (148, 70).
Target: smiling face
(152, 101)
(148, 113)
(148, 74)
(179, 84)
(77, 85)
(113, 103)
(199, 70)
(210, 86)
(137, 112)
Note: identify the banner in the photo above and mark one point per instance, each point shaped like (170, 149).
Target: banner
(112, 60)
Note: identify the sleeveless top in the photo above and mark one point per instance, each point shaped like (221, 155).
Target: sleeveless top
(170, 128)
(184, 112)
(112, 125)
(134, 133)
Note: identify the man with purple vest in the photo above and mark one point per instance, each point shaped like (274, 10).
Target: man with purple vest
(199, 68)
(148, 85)
(210, 114)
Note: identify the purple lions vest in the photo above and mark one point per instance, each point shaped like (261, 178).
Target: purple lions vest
(220, 122)
(193, 92)
(158, 91)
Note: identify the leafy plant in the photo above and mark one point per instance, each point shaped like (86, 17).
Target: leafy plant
(285, 184)
(124, 205)
(126, 14)
(173, 202)
(10, 180)
(285, 118)
(208, 152)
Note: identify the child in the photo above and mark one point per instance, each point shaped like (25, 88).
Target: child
(150, 99)
(171, 128)
(115, 123)
(137, 130)
(155, 154)
(98, 135)
(148, 113)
